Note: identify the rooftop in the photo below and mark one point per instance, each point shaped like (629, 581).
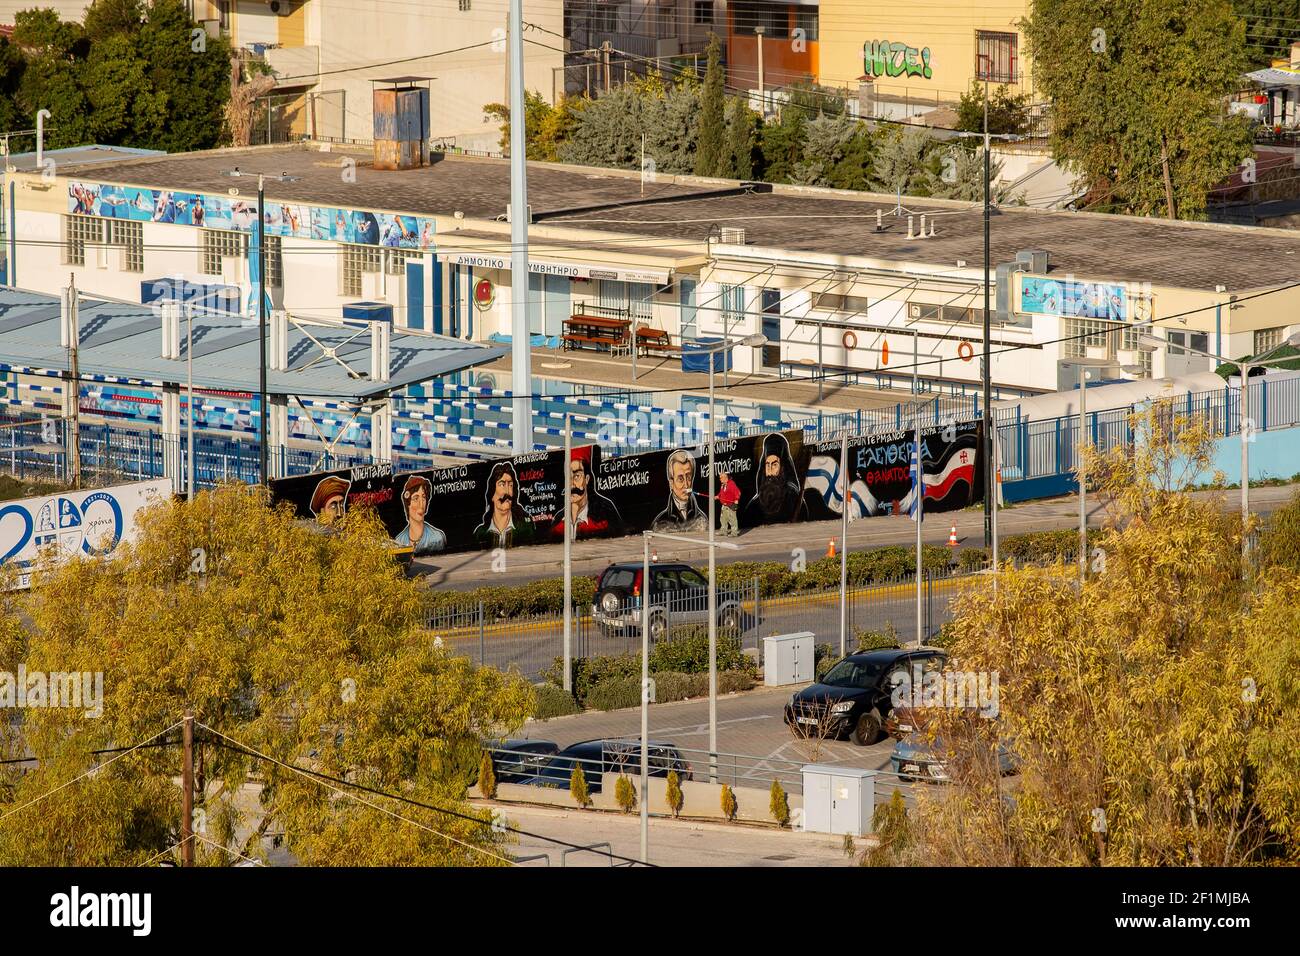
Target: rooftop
(124, 341)
(832, 223)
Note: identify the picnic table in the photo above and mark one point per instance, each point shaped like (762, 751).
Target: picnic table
(650, 340)
(596, 332)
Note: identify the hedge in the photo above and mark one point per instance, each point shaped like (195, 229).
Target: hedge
(553, 701)
(517, 600)
(621, 692)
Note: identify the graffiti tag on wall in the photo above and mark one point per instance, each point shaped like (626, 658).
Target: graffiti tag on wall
(882, 58)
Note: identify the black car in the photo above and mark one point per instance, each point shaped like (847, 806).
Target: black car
(597, 757)
(854, 698)
(679, 594)
(516, 761)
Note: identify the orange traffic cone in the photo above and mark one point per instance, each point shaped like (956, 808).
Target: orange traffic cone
(952, 537)
(830, 549)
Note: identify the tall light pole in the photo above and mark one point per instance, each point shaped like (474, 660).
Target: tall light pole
(1245, 425)
(920, 476)
(189, 387)
(263, 418)
(845, 498)
(753, 341)
(570, 529)
(988, 370)
(520, 345)
(646, 594)
(762, 96)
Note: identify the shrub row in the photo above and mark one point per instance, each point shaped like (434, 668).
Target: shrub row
(1036, 547)
(517, 600)
(620, 692)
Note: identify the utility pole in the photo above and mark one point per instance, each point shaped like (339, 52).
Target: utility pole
(189, 386)
(988, 370)
(520, 343)
(920, 481)
(187, 792)
(263, 418)
(845, 497)
(605, 49)
(762, 96)
(73, 392)
(570, 529)
(1083, 479)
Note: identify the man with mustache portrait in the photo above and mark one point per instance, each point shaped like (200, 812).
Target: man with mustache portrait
(505, 523)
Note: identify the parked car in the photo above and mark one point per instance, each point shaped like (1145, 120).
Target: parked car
(597, 757)
(916, 757)
(679, 594)
(854, 698)
(517, 761)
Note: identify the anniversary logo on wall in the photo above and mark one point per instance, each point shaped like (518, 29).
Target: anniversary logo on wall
(528, 499)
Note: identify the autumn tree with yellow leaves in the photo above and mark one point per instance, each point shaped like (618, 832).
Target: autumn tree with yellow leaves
(1154, 707)
(300, 656)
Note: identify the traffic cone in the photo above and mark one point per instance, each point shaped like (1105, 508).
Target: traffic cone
(952, 537)
(830, 549)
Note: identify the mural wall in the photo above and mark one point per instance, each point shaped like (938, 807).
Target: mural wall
(772, 479)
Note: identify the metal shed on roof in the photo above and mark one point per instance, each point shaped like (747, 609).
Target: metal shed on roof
(123, 341)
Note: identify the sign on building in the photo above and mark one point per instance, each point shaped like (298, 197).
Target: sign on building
(73, 522)
(1071, 299)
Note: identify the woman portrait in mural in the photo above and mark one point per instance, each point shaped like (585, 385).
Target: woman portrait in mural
(505, 523)
(778, 495)
(423, 538)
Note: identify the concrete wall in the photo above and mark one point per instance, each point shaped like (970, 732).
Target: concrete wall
(1273, 454)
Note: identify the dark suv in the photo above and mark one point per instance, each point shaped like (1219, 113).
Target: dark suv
(678, 595)
(855, 696)
(597, 757)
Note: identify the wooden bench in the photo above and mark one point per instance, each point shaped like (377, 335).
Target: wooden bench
(652, 340)
(577, 340)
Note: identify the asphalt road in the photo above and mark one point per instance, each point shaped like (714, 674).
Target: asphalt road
(469, 570)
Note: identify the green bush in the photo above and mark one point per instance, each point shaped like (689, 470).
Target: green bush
(1279, 540)
(732, 682)
(688, 652)
(893, 830)
(728, 802)
(624, 793)
(590, 671)
(1040, 547)
(578, 786)
(553, 701)
(972, 559)
(886, 637)
(517, 600)
(824, 658)
(487, 777)
(673, 793)
(780, 805)
(672, 685)
(615, 694)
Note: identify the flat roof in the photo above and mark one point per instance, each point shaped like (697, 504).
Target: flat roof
(124, 341)
(832, 223)
(80, 156)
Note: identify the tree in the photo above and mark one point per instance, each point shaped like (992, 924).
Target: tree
(302, 653)
(1138, 90)
(539, 118)
(1153, 708)
(899, 164)
(1006, 110)
(194, 84)
(711, 157)
(625, 794)
(825, 147)
(728, 801)
(1279, 542)
(107, 18)
(779, 804)
(578, 786)
(1270, 28)
(781, 144)
(673, 793)
(742, 125)
(487, 777)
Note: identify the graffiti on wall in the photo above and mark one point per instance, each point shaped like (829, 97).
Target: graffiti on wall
(881, 58)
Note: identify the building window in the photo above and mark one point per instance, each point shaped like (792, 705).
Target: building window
(1267, 339)
(358, 260)
(689, 311)
(130, 237)
(703, 12)
(604, 19)
(274, 262)
(79, 231)
(996, 60)
(1083, 334)
(395, 261)
(772, 17)
(218, 244)
(806, 20)
(834, 302)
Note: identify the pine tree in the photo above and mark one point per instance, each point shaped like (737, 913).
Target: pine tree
(487, 777)
(711, 157)
(625, 794)
(728, 802)
(780, 804)
(740, 135)
(578, 786)
(673, 794)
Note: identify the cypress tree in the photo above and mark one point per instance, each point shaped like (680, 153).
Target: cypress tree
(711, 157)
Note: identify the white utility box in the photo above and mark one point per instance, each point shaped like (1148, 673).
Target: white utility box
(788, 659)
(838, 799)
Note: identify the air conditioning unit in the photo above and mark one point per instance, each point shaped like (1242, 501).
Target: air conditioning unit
(281, 8)
(732, 236)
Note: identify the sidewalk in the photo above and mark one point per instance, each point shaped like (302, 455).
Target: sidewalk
(776, 542)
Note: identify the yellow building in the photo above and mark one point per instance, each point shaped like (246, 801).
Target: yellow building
(914, 54)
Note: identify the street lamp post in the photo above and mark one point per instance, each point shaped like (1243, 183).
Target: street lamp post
(753, 341)
(189, 387)
(646, 592)
(1245, 425)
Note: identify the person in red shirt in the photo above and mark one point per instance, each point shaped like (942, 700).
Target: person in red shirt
(729, 498)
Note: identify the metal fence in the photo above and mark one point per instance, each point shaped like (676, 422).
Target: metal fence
(531, 644)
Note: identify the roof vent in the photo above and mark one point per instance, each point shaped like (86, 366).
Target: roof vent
(1034, 261)
(732, 236)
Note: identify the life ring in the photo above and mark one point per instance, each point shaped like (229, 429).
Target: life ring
(965, 351)
(850, 340)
